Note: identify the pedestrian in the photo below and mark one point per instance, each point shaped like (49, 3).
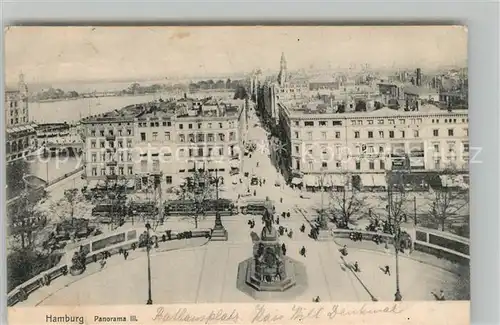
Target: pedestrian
(288, 214)
(290, 234)
(125, 255)
(356, 266)
(264, 181)
(303, 251)
(387, 270)
(277, 220)
(254, 193)
(302, 228)
(281, 200)
(102, 262)
(343, 250)
(283, 248)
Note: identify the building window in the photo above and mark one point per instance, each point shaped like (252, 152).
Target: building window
(402, 134)
(323, 135)
(92, 133)
(181, 126)
(102, 133)
(450, 132)
(103, 171)
(167, 136)
(296, 123)
(200, 152)
(296, 149)
(324, 164)
(380, 121)
(437, 163)
(222, 136)
(143, 136)
(209, 125)
(94, 171)
(221, 125)
(168, 179)
(182, 138)
(129, 143)
(391, 134)
(231, 136)
(416, 134)
(356, 134)
(309, 135)
(92, 144)
(129, 132)
(182, 153)
(391, 121)
(130, 170)
(358, 165)
(191, 137)
(337, 135)
(371, 165)
(382, 165)
(401, 121)
(370, 122)
(296, 135)
(221, 151)
(155, 136)
(466, 131)
(370, 134)
(322, 123)
(309, 123)
(210, 137)
(381, 134)
(338, 164)
(102, 144)
(310, 165)
(465, 146)
(120, 170)
(436, 147)
(190, 126)
(435, 132)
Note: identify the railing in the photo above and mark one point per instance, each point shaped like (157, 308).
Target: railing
(441, 248)
(21, 292)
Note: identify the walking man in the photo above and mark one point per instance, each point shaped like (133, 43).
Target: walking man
(387, 270)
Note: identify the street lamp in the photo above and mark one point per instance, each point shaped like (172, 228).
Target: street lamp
(219, 233)
(148, 247)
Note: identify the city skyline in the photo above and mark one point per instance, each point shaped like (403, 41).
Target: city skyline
(107, 53)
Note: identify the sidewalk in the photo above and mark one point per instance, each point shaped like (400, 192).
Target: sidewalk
(415, 255)
(38, 296)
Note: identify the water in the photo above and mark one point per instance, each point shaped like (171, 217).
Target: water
(73, 110)
(50, 168)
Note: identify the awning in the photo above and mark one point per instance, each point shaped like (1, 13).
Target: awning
(379, 180)
(373, 180)
(93, 183)
(338, 180)
(452, 181)
(296, 181)
(310, 180)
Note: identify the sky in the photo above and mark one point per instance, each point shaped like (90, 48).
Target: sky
(60, 54)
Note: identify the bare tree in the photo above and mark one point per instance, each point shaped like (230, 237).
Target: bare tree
(449, 199)
(198, 189)
(346, 203)
(397, 197)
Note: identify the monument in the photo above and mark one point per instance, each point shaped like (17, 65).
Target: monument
(269, 269)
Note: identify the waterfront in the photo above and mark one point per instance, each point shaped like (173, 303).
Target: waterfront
(73, 110)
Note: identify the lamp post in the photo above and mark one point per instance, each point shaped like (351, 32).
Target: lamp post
(219, 233)
(148, 247)
(323, 233)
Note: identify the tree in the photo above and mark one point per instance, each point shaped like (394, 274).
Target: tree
(447, 200)
(199, 189)
(15, 170)
(397, 197)
(346, 203)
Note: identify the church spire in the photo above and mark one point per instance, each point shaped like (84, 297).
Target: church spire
(283, 69)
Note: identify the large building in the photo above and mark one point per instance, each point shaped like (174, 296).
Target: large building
(373, 142)
(20, 133)
(168, 139)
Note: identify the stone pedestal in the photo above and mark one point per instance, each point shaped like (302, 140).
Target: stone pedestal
(324, 235)
(219, 234)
